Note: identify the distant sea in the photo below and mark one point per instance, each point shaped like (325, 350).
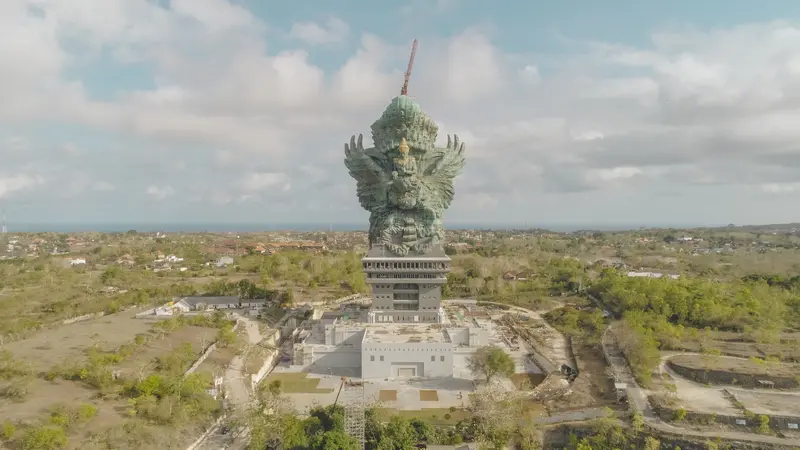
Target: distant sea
(303, 227)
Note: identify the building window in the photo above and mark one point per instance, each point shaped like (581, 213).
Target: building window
(441, 358)
(372, 358)
(433, 358)
(381, 357)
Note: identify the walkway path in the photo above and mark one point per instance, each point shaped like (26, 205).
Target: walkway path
(637, 398)
(237, 388)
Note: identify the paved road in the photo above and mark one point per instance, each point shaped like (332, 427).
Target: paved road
(637, 398)
(237, 389)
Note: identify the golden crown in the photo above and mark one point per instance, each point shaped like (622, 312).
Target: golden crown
(403, 146)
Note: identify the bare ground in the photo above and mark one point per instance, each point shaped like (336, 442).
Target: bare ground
(593, 387)
(781, 404)
(198, 337)
(67, 343)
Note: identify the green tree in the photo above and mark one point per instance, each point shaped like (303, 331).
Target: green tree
(334, 440)
(490, 361)
(226, 336)
(651, 443)
(110, 274)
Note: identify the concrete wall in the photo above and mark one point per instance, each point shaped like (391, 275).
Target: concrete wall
(343, 335)
(407, 355)
(748, 423)
(273, 337)
(731, 378)
(382, 295)
(269, 363)
(209, 350)
(430, 296)
(458, 336)
(334, 357)
(429, 316)
(468, 337)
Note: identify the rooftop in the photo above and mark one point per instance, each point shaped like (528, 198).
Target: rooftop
(217, 300)
(404, 333)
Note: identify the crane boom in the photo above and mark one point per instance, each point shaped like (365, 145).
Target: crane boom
(404, 90)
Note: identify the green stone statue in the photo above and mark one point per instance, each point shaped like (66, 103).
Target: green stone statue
(405, 182)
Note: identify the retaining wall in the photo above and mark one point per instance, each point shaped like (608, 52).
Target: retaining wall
(749, 422)
(731, 378)
(269, 363)
(83, 317)
(210, 349)
(205, 434)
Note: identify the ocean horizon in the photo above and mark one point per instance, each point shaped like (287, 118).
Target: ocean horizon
(305, 227)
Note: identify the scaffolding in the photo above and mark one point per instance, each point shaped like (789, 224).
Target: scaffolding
(354, 411)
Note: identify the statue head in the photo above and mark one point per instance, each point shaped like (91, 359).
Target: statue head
(403, 148)
(404, 119)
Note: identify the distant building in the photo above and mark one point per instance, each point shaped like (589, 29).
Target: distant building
(224, 261)
(196, 303)
(653, 275)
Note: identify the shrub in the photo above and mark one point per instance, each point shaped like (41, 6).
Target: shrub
(86, 412)
(44, 437)
(763, 424)
(7, 430)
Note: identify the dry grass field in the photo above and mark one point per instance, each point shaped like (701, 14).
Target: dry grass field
(43, 386)
(68, 343)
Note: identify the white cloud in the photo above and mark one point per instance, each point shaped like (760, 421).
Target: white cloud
(16, 144)
(334, 31)
(160, 192)
(15, 183)
(217, 15)
(267, 181)
(103, 186)
(429, 7)
(474, 67)
(687, 112)
(781, 188)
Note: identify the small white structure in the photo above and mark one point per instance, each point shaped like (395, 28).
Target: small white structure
(652, 275)
(77, 262)
(195, 303)
(224, 261)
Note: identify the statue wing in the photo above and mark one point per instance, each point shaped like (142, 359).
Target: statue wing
(371, 178)
(440, 167)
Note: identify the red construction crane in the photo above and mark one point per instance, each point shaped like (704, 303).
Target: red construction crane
(404, 90)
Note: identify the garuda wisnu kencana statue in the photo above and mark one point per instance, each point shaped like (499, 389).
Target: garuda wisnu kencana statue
(404, 181)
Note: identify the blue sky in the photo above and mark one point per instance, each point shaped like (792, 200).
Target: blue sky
(573, 112)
